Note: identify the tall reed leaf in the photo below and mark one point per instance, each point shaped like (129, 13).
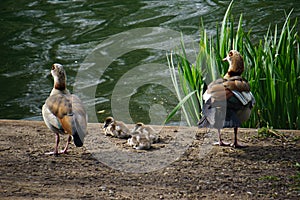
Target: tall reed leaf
(272, 67)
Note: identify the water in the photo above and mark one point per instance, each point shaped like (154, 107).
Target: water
(35, 34)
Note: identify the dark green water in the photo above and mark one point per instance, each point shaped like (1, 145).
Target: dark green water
(35, 34)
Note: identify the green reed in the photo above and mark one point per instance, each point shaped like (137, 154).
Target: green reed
(272, 67)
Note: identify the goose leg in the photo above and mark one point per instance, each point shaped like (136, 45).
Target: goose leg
(235, 142)
(67, 145)
(55, 152)
(221, 143)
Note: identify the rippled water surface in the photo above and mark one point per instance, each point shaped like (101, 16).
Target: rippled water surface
(35, 34)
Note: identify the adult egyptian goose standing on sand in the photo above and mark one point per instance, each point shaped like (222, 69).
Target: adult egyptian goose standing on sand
(63, 112)
(228, 101)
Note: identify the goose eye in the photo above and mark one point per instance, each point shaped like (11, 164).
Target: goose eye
(53, 67)
(230, 53)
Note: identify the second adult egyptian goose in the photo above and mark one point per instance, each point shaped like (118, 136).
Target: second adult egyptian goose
(228, 101)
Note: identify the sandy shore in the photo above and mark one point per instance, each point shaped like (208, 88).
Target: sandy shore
(184, 165)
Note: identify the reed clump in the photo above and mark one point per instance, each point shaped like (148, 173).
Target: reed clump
(272, 68)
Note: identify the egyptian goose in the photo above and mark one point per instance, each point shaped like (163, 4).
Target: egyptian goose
(139, 141)
(115, 128)
(63, 112)
(147, 130)
(228, 101)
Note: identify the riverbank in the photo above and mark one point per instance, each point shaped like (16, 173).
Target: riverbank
(266, 169)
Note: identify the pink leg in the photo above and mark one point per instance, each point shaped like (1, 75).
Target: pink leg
(67, 145)
(221, 143)
(235, 142)
(55, 152)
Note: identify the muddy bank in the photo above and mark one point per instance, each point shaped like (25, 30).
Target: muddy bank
(189, 167)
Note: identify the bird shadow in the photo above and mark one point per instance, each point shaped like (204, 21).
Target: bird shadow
(269, 153)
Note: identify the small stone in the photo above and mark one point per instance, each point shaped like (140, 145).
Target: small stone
(103, 188)
(110, 192)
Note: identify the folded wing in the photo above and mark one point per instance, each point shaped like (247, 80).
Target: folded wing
(223, 100)
(64, 113)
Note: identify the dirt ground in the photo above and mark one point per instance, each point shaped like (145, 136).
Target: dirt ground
(268, 168)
